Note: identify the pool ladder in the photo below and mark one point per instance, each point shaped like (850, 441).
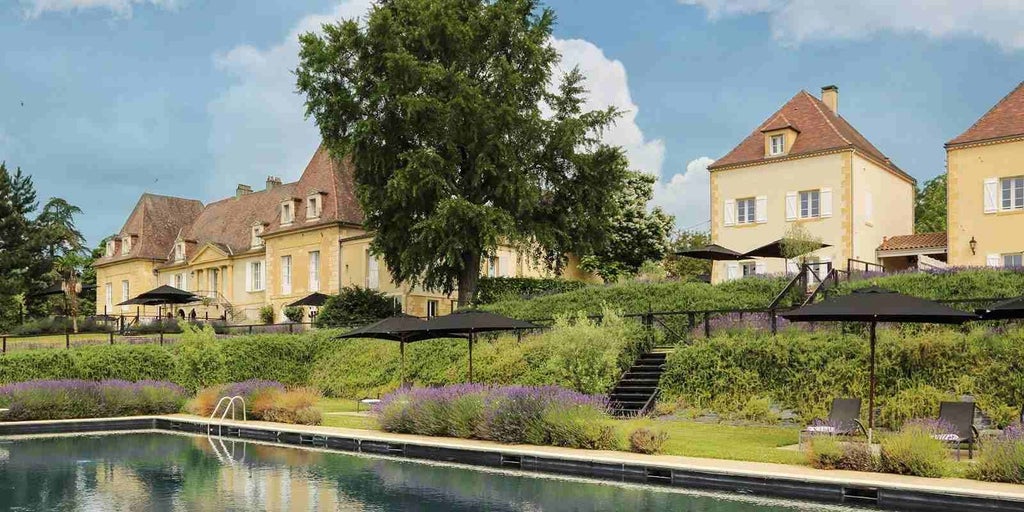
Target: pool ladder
(229, 405)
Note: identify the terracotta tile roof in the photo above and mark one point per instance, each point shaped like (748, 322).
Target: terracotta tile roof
(227, 223)
(1005, 119)
(918, 241)
(820, 130)
(156, 222)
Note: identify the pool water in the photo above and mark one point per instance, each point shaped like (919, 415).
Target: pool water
(149, 471)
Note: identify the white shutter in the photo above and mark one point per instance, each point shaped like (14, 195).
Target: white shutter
(184, 280)
(991, 195)
(248, 276)
(730, 212)
(792, 266)
(732, 270)
(263, 275)
(762, 209)
(373, 279)
(286, 275)
(791, 206)
(826, 202)
(995, 260)
(759, 267)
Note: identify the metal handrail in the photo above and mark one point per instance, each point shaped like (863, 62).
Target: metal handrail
(229, 406)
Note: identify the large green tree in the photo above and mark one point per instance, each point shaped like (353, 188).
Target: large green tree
(930, 206)
(17, 242)
(637, 234)
(685, 268)
(446, 110)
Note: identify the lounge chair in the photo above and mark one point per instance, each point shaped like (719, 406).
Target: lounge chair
(843, 420)
(959, 415)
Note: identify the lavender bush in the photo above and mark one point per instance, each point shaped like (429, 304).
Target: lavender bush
(1002, 459)
(67, 399)
(508, 414)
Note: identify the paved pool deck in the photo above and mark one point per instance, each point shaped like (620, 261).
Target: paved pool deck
(883, 490)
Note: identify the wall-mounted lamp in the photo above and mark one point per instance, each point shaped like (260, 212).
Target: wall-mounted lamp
(974, 245)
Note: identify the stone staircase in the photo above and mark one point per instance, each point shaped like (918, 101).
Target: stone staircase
(635, 393)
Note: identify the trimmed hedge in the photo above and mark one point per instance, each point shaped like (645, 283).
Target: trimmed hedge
(493, 289)
(950, 284)
(804, 371)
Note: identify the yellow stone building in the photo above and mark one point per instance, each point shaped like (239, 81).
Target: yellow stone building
(258, 248)
(805, 164)
(985, 181)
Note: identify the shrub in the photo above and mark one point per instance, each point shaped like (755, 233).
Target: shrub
(264, 400)
(493, 289)
(588, 357)
(199, 360)
(534, 415)
(267, 314)
(69, 399)
(355, 305)
(913, 451)
(643, 440)
(295, 314)
(828, 452)
(920, 401)
(1002, 459)
(758, 409)
(58, 325)
(164, 325)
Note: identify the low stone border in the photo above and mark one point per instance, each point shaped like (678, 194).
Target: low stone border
(879, 490)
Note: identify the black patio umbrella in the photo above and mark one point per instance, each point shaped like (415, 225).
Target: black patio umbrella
(165, 294)
(471, 322)
(713, 252)
(57, 289)
(774, 250)
(1006, 310)
(315, 299)
(401, 328)
(874, 305)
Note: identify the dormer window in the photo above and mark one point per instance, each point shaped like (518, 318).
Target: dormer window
(777, 144)
(179, 250)
(287, 212)
(126, 245)
(313, 206)
(110, 248)
(257, 236)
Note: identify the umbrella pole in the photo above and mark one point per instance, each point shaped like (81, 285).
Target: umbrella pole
(871, 393)
(401, 348)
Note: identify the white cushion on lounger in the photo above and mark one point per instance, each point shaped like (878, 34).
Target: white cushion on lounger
(823, 429)
(946, 437)
(370, 401)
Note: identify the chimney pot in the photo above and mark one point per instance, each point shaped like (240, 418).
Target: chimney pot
(242, 190)
(830, 97)
(273, 181)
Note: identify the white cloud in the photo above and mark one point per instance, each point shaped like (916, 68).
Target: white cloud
(258, 126)
(687, 195)
(793, 21)
(35, 8)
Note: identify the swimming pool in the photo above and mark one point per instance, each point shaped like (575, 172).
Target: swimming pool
(159, 471)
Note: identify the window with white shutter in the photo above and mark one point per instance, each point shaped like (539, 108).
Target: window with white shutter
(826, 202)
(791, 206)
(729, 211)
(314, 271)
(372, 271)
(732, 270)
(760, 267)
(746, 210)
(1011, 193)
(762, 209)
(286, 275)
(994, 260)
(991, 191)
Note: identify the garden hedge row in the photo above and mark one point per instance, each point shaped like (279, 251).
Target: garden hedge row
(494, 289)
(803, 371)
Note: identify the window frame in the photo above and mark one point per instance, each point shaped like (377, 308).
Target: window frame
(314, 271)
(1011, 193)
(256, 239)
(287, 207)
(781, 137)
(313, 206)
(108, 290)
(1013, 255)
(432, 306)
(256, 275)
(745, 265)
(813, 206)
(749, 205)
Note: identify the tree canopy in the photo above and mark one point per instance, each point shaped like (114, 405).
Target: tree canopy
(682, 267)
(930, 206)
(459, 141)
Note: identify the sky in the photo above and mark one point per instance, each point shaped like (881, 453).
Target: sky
(102, 100)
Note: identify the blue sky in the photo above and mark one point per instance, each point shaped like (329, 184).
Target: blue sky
(101, 100)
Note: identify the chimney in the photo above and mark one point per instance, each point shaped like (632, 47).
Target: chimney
(830, 97)
(242, 190)
(272, 181)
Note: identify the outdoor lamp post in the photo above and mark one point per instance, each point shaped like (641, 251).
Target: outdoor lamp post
(974, 246)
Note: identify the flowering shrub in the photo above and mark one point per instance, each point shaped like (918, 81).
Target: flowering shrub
(510, 414)
(914, 450)
(827, 452)
(264, 400)
(1002, 458)
(643, 440)
(68, 399)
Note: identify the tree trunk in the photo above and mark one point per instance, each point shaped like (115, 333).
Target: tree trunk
(468, 277)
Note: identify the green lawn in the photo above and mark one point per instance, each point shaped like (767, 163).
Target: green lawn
(686, 438)
(58, 341)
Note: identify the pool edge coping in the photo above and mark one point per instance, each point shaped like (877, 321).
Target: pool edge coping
(699, 473)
